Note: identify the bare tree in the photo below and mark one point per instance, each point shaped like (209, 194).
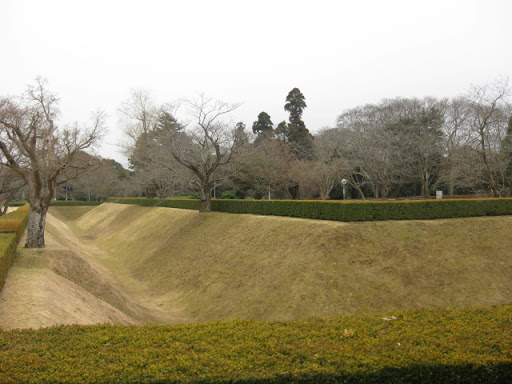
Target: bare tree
(44, 155)
(269, 168)
(100, 182)
(415, 131)
(148, 126)
(488, 120)
(368, 147)
(329, 166)
(138, 114)
(205, 146)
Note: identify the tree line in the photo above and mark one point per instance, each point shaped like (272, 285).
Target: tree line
(398, 147)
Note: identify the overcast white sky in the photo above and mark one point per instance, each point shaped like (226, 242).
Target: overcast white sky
(340, 54)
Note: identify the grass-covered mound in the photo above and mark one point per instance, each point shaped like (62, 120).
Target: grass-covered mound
(435, 346)
(219, 266)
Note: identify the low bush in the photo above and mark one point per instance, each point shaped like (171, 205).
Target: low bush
(228, 195)
(422, 346)
(195, 196)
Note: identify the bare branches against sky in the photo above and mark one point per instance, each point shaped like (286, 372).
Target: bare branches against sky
(340, 54)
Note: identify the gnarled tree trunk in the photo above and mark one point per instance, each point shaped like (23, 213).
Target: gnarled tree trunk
(206, 192)
(36, 225)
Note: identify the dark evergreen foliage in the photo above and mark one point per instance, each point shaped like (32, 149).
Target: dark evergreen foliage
(295, 132)
(263, 125)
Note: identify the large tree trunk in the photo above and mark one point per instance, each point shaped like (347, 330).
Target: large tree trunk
(451, 181)
(425, 190)
(205, 205)
(483, 151)
(206, 198)
(294, 192)
(36, 224)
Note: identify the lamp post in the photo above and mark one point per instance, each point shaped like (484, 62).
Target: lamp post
(344, 182)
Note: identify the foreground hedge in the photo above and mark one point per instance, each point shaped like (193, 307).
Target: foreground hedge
(346, 210)
(12, 226)
(436, 346)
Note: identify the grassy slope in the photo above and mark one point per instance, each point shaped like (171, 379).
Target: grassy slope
(224, 266)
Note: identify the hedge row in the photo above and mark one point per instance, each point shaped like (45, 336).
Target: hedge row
(346, 211)
(74, 203)
(60, 203)
(12, 226)
(17, 203)
(369, 211)
(15, 221)
(156, 202)
(8, 244)
(423, 346)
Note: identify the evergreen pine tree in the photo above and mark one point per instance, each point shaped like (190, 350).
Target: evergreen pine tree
(297, 135)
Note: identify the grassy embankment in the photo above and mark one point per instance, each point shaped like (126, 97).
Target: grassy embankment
(219, 266)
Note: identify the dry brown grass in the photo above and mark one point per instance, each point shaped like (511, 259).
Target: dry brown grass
(62, 284)
(131, 265)
(224, 266)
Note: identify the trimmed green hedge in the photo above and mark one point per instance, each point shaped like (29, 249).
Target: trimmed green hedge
(17, 203)
(12, 226)
(8, 245)
(346, 210)
(423, 346)
(15, 221)
(74, 203)
(156, 202)
(369, 210)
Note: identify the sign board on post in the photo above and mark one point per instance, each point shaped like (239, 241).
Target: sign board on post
(439, 194)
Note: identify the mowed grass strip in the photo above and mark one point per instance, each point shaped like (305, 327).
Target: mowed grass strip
(423, 346)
